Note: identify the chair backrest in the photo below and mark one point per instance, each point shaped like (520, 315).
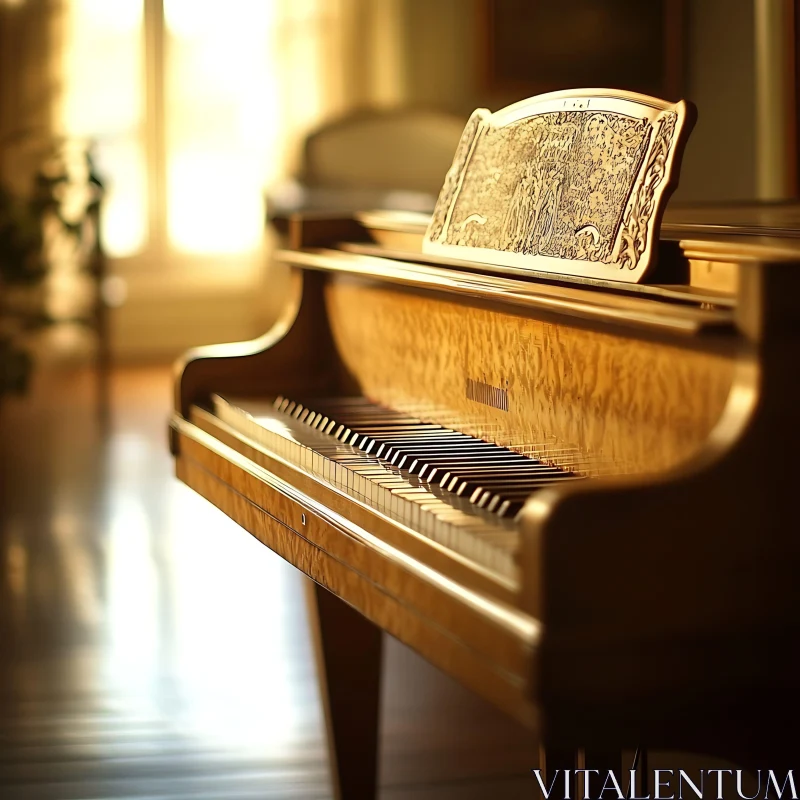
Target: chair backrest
(398, 150)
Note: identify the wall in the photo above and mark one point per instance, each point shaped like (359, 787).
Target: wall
(441, 54)
(444, 70)
(720, 159)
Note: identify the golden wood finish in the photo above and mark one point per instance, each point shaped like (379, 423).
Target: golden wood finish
(464, 571)
(349, 652)
(695, 564)
(484, 644)
(599, 402)
(687, 317)
(709, 554)
(298, 344)
(570, 182)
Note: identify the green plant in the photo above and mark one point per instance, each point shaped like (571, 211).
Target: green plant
(21, 260)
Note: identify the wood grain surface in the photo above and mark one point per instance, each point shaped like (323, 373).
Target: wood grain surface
(598, 402)
(460, 640)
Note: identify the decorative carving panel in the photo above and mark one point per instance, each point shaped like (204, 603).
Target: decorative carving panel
(570, 182)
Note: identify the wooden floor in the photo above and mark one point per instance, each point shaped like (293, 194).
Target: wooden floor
(149, 648)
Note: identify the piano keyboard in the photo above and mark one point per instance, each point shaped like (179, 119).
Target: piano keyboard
(462, 492)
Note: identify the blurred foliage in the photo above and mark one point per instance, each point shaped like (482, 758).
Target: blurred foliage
(67, 189)
(68, 186)
(21, 264)
(21, 257)
(15, 367)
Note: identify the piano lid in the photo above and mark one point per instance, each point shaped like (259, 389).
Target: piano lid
(571, 182)
(778, 219)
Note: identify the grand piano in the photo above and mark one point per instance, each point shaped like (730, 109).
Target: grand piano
(545, 437)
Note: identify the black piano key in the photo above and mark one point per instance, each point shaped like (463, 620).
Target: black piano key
(509, 486)
(403, 437)
(507, 504)
(426, 469)
(519, 482)
(399, 429)
(366, 418)
(436, 472)
(510, 508)
(488, 451)
(500, 470)
(477, 477)
(409, 434)
(424, 463)
(504, 472)
(410, 451)
(433, 444)
(436, 464)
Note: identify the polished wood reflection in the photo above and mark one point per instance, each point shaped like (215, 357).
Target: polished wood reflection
(151, 648)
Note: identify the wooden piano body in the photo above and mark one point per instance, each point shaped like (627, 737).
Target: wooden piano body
(654, 602)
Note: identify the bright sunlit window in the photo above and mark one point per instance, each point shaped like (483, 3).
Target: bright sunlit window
(221, 108)
(241, 82)
(103, 100)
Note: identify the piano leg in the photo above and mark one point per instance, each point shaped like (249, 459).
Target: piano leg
(604, 761)
(349, 656)
(556, 763)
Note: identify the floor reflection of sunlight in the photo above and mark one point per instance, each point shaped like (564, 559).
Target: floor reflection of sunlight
(76, 567)
(151, 648)
(232, 627)
(131, 598)
(202, 620)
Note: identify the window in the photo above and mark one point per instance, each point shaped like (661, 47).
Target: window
(196, 105)
(102, 99)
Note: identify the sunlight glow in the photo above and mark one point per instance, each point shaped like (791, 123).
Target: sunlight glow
(220, 125)
(242, 82)
(196, 19)
(132, 597)
(124, 229)
(214, 202)
(103, 100)
(200, 616)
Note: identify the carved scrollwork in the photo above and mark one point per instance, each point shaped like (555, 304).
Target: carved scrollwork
(633, 236)
(455, 174)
